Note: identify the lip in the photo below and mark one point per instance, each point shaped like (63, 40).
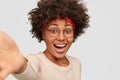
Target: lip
(60, 49)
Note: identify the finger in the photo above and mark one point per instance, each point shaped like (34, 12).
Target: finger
(3, 74)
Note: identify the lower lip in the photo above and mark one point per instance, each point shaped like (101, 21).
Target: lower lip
(62, 50)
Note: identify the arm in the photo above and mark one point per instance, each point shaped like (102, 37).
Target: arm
(11, 59)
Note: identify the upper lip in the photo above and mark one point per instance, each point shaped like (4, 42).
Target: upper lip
(60, 45)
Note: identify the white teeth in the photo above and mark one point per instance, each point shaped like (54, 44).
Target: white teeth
(63, 45)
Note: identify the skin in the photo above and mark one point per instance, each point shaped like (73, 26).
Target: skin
(12, 60)
(54, 54)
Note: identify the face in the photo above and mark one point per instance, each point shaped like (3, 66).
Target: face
(58, 37)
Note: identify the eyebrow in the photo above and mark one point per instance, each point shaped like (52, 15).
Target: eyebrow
(53, 24)
(58, 25)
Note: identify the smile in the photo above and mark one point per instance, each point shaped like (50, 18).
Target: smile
(60, 45)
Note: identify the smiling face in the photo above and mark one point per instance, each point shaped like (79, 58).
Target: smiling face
(58, 36)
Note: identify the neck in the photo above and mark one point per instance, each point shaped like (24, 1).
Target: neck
(59, 61)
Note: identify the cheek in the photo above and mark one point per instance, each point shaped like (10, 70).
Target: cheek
(48, 44)
(70, 40)
(47, 38)
(49, 41)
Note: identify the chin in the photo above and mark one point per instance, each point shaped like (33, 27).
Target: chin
(60, 55)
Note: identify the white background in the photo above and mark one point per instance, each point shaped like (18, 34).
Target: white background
(98, 49)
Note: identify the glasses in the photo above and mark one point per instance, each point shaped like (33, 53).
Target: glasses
(54, 32)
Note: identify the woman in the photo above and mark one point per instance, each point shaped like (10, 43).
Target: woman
(58, 23)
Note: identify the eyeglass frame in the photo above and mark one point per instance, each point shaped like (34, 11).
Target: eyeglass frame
(58, 31)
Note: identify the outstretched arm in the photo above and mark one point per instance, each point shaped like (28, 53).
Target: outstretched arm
(11, 59)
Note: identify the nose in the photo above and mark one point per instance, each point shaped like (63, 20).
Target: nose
(61, 36)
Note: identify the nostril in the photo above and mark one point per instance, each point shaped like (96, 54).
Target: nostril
(61, 37)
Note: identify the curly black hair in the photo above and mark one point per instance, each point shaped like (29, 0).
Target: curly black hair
(48, 10)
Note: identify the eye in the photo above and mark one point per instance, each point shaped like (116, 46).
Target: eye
(68, 31)
(53, 31)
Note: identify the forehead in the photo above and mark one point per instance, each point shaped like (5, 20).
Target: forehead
(61, 22)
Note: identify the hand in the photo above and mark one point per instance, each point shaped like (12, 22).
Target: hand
(11, 59)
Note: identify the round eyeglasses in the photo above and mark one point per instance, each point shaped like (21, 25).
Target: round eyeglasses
(54, 32)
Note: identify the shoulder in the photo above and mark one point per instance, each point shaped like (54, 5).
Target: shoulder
(73, 60)
(75, 63)
(34, 57)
